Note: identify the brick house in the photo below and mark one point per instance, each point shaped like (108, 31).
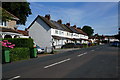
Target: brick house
(8, 27)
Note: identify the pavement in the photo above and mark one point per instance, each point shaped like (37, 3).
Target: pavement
(94, 62)
(63, 50)
(57, 51)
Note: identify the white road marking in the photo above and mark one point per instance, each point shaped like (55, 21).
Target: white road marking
(82, 54)
(92, 50)
(57, 63)
(14, 78)
(85, 53)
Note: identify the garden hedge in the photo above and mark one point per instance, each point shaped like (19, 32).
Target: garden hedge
(21, 50)
(85, 45)
(21, 42)
(17, 54)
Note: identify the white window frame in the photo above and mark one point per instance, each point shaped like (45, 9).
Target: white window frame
(3, 23)
(56, 32)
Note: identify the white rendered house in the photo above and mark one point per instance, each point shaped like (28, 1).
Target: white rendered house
(47, 33)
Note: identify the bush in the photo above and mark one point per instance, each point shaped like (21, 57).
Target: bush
(68, 45)
(21, 42)
(85, 45)
(17, 54)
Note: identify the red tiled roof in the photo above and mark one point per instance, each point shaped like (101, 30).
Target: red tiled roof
(8, 30)
(25, 33)
(81, 31)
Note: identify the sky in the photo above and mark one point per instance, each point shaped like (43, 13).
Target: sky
(101, 16)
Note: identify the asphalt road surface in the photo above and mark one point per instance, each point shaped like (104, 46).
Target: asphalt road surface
(94, 62)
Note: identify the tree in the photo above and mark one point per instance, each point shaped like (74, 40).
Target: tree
(19, 9)
(117, 36)
(88, 30)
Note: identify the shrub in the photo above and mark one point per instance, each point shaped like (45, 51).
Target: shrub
(17, 54)
(93, 44)
(21, 42)
(68, 45)
(85, 45)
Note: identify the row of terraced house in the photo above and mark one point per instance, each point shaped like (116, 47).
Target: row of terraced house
(48, 33)
(45, 32)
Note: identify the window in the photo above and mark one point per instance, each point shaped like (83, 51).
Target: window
(74, 34)
(62, 33)
(67, 33)
(71, 34)
(3, 23)
(56, 31)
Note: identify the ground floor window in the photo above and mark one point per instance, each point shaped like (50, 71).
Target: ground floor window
(8, 36)
(16, 36)
(0, 36)
(3, 23)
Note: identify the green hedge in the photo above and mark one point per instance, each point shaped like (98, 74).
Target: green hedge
(85, 45)
(21, 42)
(17, 54)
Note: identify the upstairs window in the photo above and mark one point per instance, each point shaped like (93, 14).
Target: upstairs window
(71, 34)
(3, 23)
(56, 31)
(62, 33)
(67, 34)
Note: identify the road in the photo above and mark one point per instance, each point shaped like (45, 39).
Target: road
(94, 62)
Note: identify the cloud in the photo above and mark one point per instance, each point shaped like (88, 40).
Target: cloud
(97, 15)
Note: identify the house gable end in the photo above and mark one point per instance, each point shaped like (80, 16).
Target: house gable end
(44, 20)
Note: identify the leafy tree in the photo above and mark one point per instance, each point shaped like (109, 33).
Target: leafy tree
(88, 30)
(4, 15)
(117, 36)
(19, 9)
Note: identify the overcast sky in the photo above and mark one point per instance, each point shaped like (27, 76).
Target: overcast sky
(101, 16)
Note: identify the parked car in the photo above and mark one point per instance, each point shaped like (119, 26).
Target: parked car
(39, 49)
(68, 45)
(115, 43)
(72, 45)
(78, 45)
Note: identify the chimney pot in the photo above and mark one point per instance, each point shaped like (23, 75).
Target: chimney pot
(26, 29)
(68, 24)
(59, 21)
(74, 26)
(78, 28)
(47, 16)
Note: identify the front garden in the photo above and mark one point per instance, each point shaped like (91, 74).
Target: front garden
(17, 49)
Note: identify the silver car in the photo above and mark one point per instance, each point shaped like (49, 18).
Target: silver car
(39, 49)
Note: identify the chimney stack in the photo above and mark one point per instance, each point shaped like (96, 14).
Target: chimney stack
(68, 24)
(79, 28)
(74, 26)
(47, 16)
(26, 29)
(59, 21)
